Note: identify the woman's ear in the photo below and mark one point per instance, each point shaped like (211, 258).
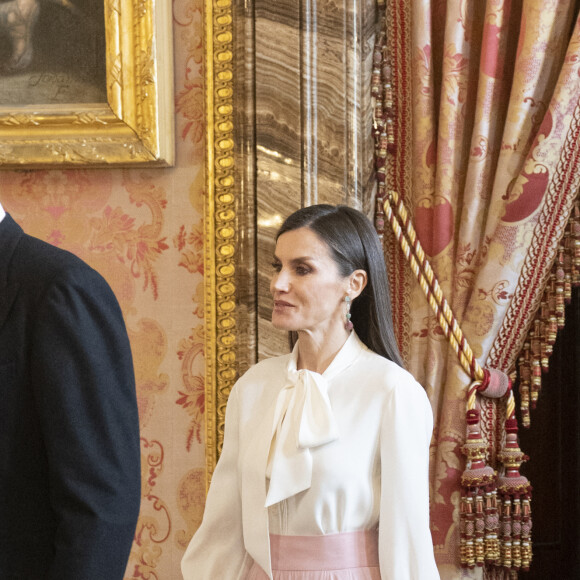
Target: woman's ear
(357, 283)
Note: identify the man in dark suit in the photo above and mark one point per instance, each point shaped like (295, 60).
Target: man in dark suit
(69, 432)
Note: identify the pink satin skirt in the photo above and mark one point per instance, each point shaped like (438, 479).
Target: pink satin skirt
(346, 556)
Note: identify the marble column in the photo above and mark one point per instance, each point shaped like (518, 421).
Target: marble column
(303, 132)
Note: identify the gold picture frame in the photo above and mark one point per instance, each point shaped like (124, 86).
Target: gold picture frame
(135, 126)
(220, 224)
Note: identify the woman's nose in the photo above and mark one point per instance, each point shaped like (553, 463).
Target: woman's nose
(279, 282)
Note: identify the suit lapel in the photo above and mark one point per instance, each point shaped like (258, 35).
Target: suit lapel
(7, 296)
(10, 235)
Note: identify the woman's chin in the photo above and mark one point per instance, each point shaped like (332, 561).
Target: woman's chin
(281, 326)
(279, 323)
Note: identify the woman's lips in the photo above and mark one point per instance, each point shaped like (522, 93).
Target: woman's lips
(281, 305)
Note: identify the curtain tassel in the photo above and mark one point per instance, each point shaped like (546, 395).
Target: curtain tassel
(478, 514)
(514, 493)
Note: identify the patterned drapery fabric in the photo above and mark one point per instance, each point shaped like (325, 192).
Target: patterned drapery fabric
(484, 143)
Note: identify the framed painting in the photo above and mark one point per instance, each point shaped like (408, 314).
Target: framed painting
(86, 83)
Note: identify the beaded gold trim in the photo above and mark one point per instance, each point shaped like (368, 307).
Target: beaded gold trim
(219, 219)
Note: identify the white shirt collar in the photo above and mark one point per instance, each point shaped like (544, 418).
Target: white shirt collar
(347, 354)
(303, 419)
(2, 213)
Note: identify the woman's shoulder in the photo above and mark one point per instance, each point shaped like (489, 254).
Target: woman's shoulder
(265, 371)
(378, 364)
(387, 375)
(260, 382)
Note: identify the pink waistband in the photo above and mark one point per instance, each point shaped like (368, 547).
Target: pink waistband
(330, 552)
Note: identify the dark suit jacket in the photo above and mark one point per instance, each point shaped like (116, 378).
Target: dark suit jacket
(69, 433)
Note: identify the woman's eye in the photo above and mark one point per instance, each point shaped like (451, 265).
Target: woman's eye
(302, 270)
(276, 266)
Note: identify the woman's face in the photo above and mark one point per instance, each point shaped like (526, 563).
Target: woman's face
(307, 287)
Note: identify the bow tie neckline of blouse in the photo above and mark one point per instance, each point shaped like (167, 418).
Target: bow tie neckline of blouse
(303, 419)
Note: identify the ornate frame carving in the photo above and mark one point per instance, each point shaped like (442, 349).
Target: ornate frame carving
(220, 220)
(135, 126)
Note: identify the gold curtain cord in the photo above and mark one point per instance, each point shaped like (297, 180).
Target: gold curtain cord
(391, 206)
(405, 233)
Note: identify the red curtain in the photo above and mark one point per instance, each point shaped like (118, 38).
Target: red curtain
(481, 120)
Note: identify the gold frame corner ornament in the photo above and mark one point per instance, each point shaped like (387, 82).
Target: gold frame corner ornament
(134, 127)
(219, 220)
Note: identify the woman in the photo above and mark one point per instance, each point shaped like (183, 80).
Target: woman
(324, 469)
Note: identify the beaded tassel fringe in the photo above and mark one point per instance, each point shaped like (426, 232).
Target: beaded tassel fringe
(515, 495)
(535, 356)
(478, 515)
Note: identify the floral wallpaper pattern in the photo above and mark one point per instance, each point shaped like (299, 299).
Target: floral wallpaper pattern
(143, 230)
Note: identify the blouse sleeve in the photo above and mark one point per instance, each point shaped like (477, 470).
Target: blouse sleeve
(217, 548)
(405, 542)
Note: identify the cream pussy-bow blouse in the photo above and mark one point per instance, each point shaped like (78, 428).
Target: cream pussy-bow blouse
(309, 454)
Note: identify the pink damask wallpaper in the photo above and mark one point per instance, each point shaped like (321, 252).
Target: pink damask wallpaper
(143, 230)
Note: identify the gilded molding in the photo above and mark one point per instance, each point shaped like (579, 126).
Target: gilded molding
(220, 230)
(135, 126)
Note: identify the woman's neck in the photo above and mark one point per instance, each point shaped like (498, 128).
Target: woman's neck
(317, 351)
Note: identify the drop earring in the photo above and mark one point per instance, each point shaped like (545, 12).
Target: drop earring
(348, 324)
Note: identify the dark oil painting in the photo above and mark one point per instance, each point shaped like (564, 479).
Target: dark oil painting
(52, 52)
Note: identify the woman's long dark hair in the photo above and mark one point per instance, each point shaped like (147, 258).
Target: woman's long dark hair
(355, 245)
